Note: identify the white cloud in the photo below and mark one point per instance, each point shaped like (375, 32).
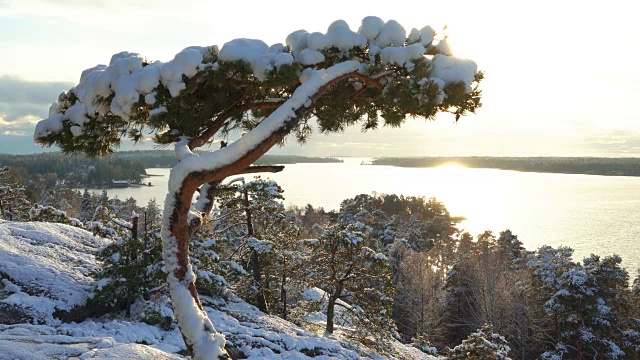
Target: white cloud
(14, 133)
(15, 90)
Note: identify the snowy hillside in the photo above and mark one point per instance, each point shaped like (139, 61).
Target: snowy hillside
(45, 268)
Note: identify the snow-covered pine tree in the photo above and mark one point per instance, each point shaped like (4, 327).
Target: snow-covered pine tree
(51, 214)
(132, 266)
(481, 345)
(247, 218)
(282, 265)
(355, 278)
(590, 306)
(510, 249)
(87, 206)
(378, 75)
(58, 196)
(14, 203)
(417, 221)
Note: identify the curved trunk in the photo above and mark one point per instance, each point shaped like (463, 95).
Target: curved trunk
(199, 334)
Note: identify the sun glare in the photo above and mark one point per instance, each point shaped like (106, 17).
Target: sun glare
(471, 193)
(451, 167)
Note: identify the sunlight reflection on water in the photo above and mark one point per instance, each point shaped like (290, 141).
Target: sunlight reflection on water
(589, 213)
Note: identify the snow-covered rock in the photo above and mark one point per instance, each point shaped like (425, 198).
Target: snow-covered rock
(261, 336)
(45, 267)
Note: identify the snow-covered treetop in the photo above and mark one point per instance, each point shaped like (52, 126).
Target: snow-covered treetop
(206, 90)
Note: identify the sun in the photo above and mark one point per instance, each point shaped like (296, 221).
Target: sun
(451, 166)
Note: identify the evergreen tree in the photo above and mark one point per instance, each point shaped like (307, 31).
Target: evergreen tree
(207, 92)
(591, 307)
(632, 336)
(62, 197)
(344, 266)
(51, 214)
(87, 207)
(510, 249)
(14, 204)
(152, 213)
(481, 345)
(131, 268)
(460, 305)
(284, 263)
(249, 219)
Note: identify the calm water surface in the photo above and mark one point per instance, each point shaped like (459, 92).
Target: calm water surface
(599, 214)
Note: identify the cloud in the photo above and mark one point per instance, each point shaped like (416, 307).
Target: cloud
(14, 133)
(14, 90)
(23, 103)
(77, 10)
(615, 143)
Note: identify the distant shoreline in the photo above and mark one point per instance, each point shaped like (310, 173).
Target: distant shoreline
(553, 165)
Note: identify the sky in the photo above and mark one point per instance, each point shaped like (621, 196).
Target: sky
(561, 77)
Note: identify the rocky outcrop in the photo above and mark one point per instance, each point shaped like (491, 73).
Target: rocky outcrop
(45, 272)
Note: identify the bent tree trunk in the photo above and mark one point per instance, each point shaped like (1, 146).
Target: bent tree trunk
(200, 336)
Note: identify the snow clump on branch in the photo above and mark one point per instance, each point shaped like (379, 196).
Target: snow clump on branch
(117, 89)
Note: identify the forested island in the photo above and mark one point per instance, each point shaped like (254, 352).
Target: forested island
(84, 171)
(562, 165)
(167, 158)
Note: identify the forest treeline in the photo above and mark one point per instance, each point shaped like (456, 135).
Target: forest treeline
(564, 165)
(167, 158)
(381, 267)
(83, 171)
(73, 170)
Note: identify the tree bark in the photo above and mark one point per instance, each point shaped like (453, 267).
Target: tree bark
(197, 330)
(330, 313)
(283, 288)
(134, 228)
(255, 260)
(331, 305)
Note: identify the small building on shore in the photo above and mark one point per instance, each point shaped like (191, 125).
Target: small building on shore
(119, 183)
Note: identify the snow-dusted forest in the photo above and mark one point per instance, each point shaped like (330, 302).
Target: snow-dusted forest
(226, 271)
(384, 277)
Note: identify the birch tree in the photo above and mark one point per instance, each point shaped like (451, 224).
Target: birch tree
(378, 75)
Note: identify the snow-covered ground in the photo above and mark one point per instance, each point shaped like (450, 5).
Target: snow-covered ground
(46, 267)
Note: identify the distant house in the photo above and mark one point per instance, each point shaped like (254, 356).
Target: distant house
(119, 183)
